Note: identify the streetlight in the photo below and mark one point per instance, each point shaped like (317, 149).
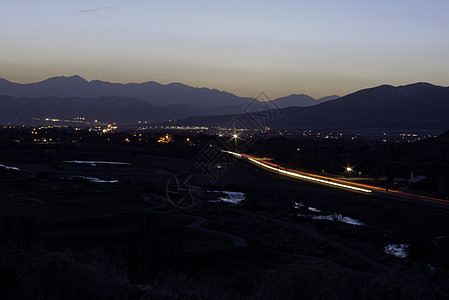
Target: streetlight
(349, 170)
(235, 136)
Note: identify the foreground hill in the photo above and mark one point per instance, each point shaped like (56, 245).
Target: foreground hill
(415, 106)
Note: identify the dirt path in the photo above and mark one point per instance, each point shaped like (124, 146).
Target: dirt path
(238, 240)
(241, 242)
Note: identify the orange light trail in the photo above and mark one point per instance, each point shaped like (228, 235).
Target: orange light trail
(293, 173)
(326, 180)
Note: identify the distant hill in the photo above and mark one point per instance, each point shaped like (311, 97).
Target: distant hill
(155, 93)
(178, 99)
(124, 110)
(414, 106)
(301, 100)
(113, 109)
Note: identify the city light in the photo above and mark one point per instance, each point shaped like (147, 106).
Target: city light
(165, 139)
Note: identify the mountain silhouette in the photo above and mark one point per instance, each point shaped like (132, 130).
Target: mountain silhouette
(153, 92)
(301, 100)
(415, 106)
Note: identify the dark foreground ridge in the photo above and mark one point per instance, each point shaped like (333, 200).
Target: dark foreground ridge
(90, 219)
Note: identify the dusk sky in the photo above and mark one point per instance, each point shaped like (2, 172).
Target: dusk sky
(318, 48)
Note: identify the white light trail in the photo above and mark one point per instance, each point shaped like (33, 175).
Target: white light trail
(293, 174)
(308, 177)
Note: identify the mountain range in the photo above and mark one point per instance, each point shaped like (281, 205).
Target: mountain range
(156, 93)
(419, 106)
(68, 97)
(415, 106)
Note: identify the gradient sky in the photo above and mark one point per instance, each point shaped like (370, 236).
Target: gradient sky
(319, 48)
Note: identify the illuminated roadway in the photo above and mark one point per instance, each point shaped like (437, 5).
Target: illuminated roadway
(342, 184)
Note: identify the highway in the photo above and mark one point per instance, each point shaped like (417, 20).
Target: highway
(341, 184)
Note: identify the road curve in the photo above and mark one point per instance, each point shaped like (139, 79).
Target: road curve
(342, 184)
